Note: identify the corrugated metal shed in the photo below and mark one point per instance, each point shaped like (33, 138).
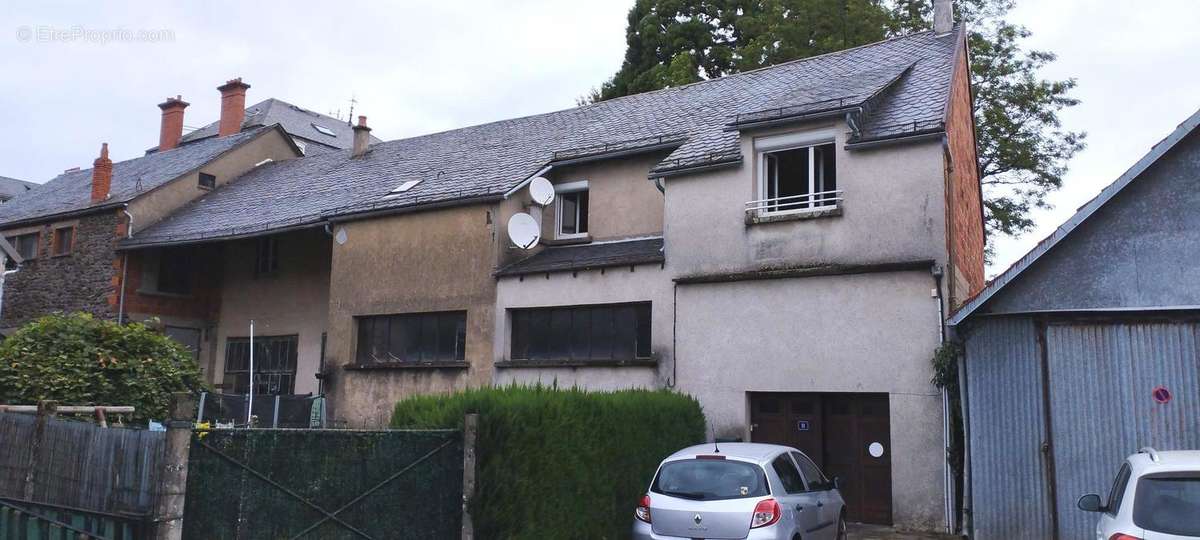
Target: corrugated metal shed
(1008, 481)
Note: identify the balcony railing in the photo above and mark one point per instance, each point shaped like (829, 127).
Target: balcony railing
(821, 200)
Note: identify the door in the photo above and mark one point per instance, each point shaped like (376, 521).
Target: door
(846, 435)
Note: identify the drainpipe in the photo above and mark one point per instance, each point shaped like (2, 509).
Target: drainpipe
(947, 477)
(124, 267)
(968, 524)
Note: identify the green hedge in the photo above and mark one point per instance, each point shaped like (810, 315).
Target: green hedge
(561, 463)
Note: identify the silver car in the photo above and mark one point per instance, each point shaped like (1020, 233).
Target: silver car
(740, 490)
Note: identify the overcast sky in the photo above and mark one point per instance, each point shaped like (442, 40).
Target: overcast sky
(76, 74)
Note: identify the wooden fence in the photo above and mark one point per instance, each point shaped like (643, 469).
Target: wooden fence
(79, 465)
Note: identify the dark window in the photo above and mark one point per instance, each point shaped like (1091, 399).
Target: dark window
(710, 480)
(1169, 504)
(800, 178)
(266, 256)
(274, 364)
(573, 213)
(788, 475)
(64, 238)
(208, 181)
(174, 271)
(812, 475)
(1118, 490)
(26, 245)
(582, 333)
(418, 338)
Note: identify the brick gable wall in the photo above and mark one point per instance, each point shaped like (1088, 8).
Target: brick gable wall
(965, 236)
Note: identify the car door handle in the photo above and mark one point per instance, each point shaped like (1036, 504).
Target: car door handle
(820, 504)
(799, 507)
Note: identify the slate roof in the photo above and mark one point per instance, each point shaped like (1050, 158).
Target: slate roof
(589, 257)
(907, 79)
(11, 187)
(72, 191)
(297, 121)
(1017, 268)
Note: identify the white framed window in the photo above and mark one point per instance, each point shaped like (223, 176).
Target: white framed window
(571, 210)
(797, 173)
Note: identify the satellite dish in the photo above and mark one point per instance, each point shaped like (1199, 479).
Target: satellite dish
(541, 191)
(524, 231)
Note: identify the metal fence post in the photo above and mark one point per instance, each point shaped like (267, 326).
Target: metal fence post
(168, 513)
(45, 410)
(470, 434)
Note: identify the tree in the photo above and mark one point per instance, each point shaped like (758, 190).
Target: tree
(1023, 148)
(77, 359)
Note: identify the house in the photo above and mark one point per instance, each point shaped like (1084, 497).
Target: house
(66, 231)
(312, 132)
(1086, 349)
(780, 243)
(11, 187)
(766, 241)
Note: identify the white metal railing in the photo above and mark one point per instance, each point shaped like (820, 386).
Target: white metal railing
(807, 201)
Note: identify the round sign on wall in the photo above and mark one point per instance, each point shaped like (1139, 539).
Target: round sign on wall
(1161, 395)
(875, 449)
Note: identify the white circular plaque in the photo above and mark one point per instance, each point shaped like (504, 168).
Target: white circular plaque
(875, 449)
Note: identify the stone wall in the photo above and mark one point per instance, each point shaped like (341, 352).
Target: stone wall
(82, 280)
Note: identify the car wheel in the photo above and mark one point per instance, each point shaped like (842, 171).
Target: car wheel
(841, 531)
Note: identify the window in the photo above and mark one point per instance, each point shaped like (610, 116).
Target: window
(64, 239)
(274, 364)
(208, 181)
(266, 256)
(174, 274)
(812, 475)
(571, 210)
(797, 172)
(710, 480)
(324, 130)
(25, 244)
(401, 189)
(1168, 503)
(412, 338)
(788, 475)
(582, 333)
(1118, 490)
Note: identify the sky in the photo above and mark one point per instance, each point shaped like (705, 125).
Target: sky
(76, 74)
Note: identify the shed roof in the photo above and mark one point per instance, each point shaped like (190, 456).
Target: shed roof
(589, 256)
(908, 79)
(1081, 215)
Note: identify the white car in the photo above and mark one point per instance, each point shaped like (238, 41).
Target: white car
(740, 490)
(1156, 496)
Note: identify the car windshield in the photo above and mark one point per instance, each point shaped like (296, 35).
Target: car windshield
(710, 480)
(1168, 504)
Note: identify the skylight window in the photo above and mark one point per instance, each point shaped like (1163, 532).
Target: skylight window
(324, 130)
(400, 190)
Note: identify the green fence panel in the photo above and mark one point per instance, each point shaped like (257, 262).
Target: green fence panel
(317, 484)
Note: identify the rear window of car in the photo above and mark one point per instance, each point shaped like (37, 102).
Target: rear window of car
(1168, 504)
(710, 480)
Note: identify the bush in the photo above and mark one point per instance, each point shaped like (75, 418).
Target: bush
(561, 463)
(78, 360)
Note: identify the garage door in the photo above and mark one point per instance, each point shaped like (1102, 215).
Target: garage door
(1115, 387)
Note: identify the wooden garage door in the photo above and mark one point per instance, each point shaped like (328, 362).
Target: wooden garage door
(838, 432)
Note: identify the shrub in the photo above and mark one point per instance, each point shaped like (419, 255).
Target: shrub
(561, 463)
(77, 360)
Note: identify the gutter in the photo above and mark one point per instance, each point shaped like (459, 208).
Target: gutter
(692, 169)
(929, 134)
(447, 203)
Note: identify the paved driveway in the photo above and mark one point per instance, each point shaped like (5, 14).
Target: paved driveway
(858, 531)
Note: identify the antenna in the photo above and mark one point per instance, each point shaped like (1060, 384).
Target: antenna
(716, 448)
(352, 103)
(524, 231)
(541, 191)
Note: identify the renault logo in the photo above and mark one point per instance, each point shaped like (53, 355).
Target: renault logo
(698, 519)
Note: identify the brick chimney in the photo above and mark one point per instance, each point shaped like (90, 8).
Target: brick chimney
(101, 175)
(172, 122)
(362, 137)
(233, 106)
(943, 16)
